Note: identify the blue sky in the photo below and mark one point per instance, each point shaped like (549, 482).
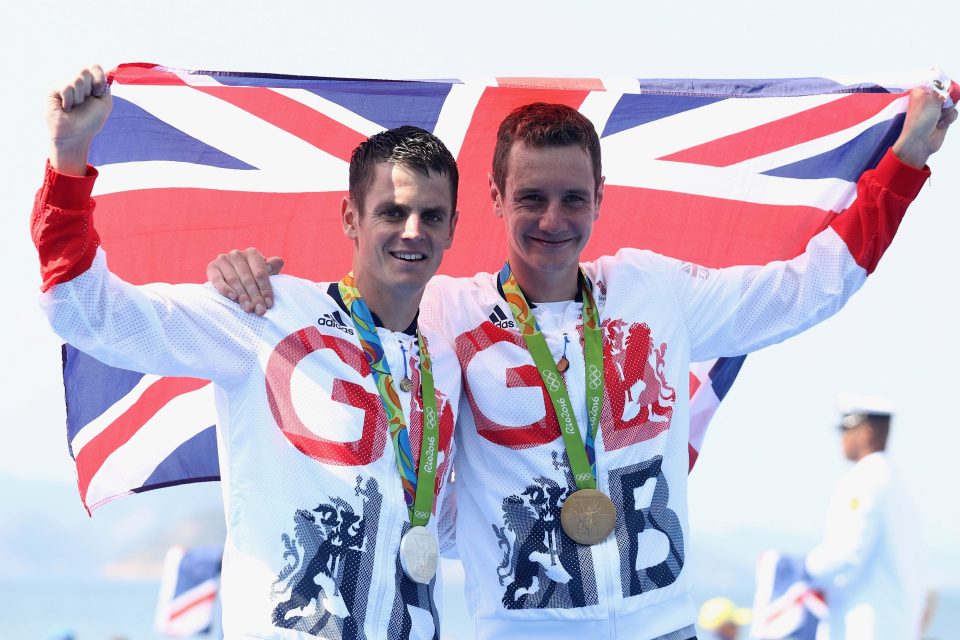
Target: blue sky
(772, 455)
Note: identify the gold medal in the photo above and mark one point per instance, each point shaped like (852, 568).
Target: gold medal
(406, 384)
(588, 516)
(563, 364)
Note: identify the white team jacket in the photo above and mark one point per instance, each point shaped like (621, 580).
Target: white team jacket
(870, 562)
(524, 577)
(312, 495)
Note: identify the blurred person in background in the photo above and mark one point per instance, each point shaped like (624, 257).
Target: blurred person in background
(869, 564)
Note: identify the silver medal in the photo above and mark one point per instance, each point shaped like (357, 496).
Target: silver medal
(419, 554)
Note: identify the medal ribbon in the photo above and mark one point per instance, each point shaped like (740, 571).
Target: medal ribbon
(418, 484)
(582, 455)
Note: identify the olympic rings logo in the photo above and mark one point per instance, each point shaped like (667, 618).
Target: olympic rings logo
(429, 418)
(596, 377)
(551, 379)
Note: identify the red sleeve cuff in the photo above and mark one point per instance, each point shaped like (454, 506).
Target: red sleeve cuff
(62, 226)
(899, 177)
(68, 192)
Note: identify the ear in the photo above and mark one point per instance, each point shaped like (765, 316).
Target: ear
(496, 198)
(453, 227)
(349, 217)
(596, 212)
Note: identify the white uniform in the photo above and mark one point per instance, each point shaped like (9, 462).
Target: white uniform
(870, 563)
(524, 577)
(312, 495)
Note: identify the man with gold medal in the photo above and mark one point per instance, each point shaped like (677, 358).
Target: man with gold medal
(587, 515)
(557, 433)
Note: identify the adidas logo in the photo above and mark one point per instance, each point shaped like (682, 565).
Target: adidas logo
(336, 321)
(695, 271)
(499, 318)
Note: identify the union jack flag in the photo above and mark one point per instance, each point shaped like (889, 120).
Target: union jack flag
(188, 591)
(715, 172)
(785, 605)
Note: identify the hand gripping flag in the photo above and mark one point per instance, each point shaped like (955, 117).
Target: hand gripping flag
(714, 172)
(188, 591)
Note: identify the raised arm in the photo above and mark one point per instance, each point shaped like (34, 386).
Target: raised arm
(75, 114)
(162, 329)
(740, 309)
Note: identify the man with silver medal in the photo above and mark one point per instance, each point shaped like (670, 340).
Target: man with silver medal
(400, 215)
(419, 551)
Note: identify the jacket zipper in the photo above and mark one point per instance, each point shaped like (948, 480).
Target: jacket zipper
(609, 569)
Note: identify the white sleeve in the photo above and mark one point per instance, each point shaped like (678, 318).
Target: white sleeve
(736, 310)
(836, 561)
(164, 329)
(740, 309)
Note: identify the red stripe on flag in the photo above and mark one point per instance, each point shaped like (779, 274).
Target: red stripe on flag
(176, 232)
(144, 73)
(302, 121)
(784, 604)
(286, 113)
(481, 243)
(577, 84)
(154, 398)
(186, 608)
(712, 232)
(786, 132)
(694, 384)
(692, 455)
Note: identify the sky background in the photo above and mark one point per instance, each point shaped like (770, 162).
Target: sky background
(772, 454)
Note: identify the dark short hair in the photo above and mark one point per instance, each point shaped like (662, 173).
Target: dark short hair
(545, 125)
(407, 146)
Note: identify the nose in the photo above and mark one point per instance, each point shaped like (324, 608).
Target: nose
(552, 220)
(412, 227)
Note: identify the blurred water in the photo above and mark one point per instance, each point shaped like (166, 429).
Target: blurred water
(114, 610)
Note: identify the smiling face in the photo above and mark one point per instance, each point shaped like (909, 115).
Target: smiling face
(406, 223)
(549, 202)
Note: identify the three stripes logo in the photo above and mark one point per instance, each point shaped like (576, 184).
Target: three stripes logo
(335, 320)
(695, 271)
(499, 318)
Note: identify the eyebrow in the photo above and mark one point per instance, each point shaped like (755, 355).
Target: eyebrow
(524, 191)
(384, 207)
